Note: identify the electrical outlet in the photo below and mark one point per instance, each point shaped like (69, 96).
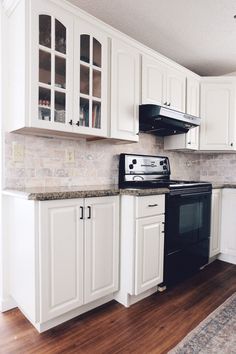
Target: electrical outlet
(70, 155)
(17, 152)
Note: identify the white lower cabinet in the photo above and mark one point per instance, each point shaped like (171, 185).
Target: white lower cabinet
(216, 208)
(228, 226)
(149, 253)
(61, 257)
(71, 263)
(142, 246)
(101, 245)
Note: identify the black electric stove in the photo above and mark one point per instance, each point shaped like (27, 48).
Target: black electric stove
(187, 213)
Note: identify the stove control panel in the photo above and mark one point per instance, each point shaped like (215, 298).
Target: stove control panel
(143, 164)
(142, 168)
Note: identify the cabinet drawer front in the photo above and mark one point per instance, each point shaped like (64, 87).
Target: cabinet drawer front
(150, 205)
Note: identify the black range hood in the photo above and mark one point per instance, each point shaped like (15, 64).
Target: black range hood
(163, 121)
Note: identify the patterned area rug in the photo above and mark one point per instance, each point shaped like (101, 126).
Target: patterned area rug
(215, 335)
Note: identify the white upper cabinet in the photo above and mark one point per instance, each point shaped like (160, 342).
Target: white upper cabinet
(189, 141)
(51, 85)
(125, 86)
(218, 100)
(59, 63)
(193, 107)
(90, 75)
(153, 81)
(176, 89)
(162, 84)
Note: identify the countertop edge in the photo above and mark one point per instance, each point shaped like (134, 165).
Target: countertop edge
(44, 196)
(94, 193)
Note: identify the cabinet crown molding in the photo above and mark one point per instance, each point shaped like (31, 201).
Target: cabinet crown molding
(9, 6)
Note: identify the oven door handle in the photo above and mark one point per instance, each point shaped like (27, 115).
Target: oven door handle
(195, 194)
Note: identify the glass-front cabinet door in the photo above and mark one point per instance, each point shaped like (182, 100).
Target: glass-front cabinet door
(90, 105)
(52, 67)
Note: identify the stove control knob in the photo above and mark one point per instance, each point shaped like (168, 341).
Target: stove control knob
(164, 167)
(134, 161)
(131, 167)
(161, 163)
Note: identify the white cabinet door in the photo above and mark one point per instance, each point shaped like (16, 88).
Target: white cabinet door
(218, 114)
(101, 247)
(125, 84)
(153, 81)
(176, 89)
(51, 77)
(90, 80)
(215, 222)
(228, 223)
(60, 257)
(187, 141)
(149, 253)
(192, 107)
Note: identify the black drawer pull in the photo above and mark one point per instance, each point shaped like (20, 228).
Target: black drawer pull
(152, 205)
(89, 209)
(82, 213)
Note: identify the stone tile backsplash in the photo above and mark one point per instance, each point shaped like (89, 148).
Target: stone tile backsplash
(95, 163)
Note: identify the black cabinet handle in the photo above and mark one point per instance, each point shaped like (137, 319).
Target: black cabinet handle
(165, 104)
(71, 122)
(189, 143)
(77, 123)
(82, 213)
(168, 105)
(152, 205)
(89, 210)
(232, 144)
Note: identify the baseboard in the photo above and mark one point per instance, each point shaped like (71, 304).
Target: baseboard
(227, 258)
(42, 327)
(128, 300)
(7, 304)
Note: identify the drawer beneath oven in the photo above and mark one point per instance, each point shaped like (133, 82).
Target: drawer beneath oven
(150, 205)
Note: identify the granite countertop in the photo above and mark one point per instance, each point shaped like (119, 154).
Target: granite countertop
(220, 185)
(53, 193)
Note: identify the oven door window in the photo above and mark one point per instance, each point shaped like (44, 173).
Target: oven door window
(187, 220)
(190, 218)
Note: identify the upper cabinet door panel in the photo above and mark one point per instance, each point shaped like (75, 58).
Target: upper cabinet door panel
(176, 89)
(218, 115)
(153, 81)
(90, 86)
(192, 107)
(51, 66)
(125, 84)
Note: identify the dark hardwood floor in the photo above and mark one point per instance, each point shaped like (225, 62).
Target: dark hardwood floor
(154, 325)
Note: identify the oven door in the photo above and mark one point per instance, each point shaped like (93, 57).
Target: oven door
(187, 219)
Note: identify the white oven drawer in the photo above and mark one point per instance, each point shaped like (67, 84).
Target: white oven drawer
(150, 205)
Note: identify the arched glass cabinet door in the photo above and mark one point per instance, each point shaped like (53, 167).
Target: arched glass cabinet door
(52, 66)
(52, 70)
(91, 90)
